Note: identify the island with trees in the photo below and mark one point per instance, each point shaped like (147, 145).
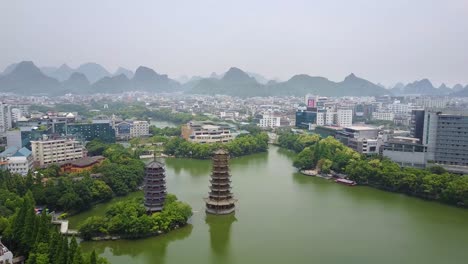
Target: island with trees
(129, 219)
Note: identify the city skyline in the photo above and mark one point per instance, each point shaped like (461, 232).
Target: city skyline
(385, 42)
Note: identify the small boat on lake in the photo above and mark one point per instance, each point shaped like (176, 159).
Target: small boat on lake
(346, 182)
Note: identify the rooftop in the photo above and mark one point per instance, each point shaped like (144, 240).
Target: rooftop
(83, 162)
(154, 165)
(220, 152)
(361, 128)
(22, 152)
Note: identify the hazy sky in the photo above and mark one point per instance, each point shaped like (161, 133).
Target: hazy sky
(382, 40)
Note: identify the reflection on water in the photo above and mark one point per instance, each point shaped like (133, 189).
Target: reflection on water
(190, 166)
(196, 167)
(152, 249)
(286, 153)
(259, 159)
(220, 235)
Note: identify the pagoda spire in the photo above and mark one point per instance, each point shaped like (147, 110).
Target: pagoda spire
(220, 198)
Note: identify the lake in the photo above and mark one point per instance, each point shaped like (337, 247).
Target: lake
(285, 217)
(162, 124)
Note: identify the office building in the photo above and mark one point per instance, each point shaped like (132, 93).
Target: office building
(305, 118)
(207, 132)
(139, 129)
(363, 139)
(269, 121)
(122, 130)
(406, 152)
(87, 132)
(387, 116)
(445, 133)
(48, 151)
(368, 146)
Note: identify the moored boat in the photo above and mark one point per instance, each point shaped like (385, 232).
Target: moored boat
(346, 182)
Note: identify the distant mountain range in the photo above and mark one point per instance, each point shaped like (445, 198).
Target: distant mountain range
(238, 83)
(424, 87)
(27, 79)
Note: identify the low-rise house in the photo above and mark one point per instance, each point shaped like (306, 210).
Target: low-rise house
(17, 160)
(80, 165)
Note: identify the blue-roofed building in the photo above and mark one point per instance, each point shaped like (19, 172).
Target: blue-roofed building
(17, 160)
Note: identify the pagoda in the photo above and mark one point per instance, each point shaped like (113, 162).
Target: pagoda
(154, 186)
(220, 199)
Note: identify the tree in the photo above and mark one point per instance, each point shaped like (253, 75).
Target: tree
(305, 159)
(72, 250)
(93, 258)
(78, 257)
(324, 165)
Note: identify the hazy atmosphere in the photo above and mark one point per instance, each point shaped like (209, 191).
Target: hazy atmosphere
(383, 41)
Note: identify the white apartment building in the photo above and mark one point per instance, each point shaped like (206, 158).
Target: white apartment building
(320, 118)
(229, 115)
(17, 160)
(330, 118)
(389, 116)
(48, 151)
(344, 117)
(139, 128)
(269, 121)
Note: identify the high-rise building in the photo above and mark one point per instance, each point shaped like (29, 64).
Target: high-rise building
(417, 124)
(5, 118)
(344, 117)
(445, 133)
(155, 186)
(220, 199)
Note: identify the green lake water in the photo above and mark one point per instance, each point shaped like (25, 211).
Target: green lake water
(162, 124)
(285, 217)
